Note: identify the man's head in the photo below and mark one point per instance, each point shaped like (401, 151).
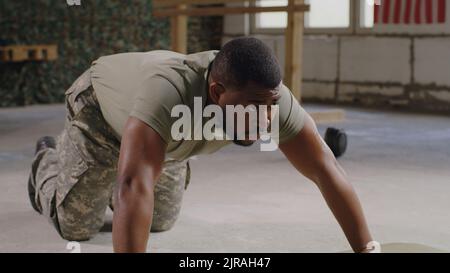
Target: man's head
(244, 72)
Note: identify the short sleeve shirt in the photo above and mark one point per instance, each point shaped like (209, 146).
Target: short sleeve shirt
(148, 85)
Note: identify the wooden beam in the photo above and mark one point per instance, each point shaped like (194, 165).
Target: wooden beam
(178, 31)
(169, 3)
(293, 49)
(211, 11)
(328, 116)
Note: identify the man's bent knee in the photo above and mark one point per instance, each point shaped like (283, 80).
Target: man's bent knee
(73, 230)
(77, 234)
(69, 236)
(162, 225)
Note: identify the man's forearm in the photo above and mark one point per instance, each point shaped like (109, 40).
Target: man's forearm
(346, 207)
(132, 219)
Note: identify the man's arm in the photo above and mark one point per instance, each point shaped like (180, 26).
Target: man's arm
(311, 156)
(142, 154)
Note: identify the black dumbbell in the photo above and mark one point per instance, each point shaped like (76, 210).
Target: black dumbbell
(337, 141)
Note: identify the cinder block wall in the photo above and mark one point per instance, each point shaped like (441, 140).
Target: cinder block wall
(404, 67)
(82, 33)
(407, 71)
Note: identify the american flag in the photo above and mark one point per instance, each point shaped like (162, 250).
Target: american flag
(410, 12)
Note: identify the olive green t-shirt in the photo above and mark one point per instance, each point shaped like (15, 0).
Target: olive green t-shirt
(148, 85)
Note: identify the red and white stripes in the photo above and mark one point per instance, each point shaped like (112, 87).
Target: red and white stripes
(411, 12)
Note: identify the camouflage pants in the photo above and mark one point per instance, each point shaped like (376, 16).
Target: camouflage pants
(74, 183)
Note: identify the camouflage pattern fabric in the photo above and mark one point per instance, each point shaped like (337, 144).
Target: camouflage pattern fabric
(74, 183)
(83, 34)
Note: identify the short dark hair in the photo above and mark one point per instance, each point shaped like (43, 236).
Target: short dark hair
(245, 60)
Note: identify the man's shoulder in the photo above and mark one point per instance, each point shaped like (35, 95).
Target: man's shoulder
(141, 55)
(200, 61)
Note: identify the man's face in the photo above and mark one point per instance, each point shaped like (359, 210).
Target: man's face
(251, 94)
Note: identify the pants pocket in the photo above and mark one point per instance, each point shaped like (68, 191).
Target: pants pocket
(73, 166)
(78, 87)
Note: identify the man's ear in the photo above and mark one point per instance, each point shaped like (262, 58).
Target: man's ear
(215, 91)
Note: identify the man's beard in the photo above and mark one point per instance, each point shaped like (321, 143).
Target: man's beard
(243, 143)
(240, 142)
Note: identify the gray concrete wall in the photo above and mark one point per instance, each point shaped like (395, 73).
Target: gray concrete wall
(394, 66)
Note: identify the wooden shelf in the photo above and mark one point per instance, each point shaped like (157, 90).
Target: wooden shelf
(179, 10)
(212, 11)
(21, 53)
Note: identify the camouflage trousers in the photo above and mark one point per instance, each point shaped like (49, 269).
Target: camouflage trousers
(74, 183)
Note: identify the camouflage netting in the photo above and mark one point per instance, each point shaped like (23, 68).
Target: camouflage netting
(82, 33)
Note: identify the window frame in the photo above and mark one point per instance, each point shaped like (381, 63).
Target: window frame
(353, 27)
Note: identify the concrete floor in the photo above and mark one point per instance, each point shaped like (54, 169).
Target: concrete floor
(243, 200)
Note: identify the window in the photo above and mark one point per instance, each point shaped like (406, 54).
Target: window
(324, 16)
(367, 14)
(272, 19)
(328, 14)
